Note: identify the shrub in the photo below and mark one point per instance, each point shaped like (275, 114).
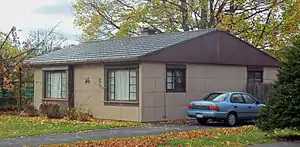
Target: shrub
(9, 108)
(51, 110)
(78, 114)
(282, 109)
(30, 110)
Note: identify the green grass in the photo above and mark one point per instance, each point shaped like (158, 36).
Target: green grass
(16, 126)
(252, 138)
(218, 137)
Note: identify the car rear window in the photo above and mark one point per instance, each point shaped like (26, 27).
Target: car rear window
(216, 97)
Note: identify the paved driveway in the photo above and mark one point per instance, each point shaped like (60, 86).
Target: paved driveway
(278, 144)
(156, 128)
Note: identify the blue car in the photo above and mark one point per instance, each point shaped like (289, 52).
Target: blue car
(229, 107)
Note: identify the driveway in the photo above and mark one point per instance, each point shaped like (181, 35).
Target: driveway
(278, 144)
(156, 128)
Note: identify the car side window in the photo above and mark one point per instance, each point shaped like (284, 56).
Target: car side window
(249, 99)
(237, 98)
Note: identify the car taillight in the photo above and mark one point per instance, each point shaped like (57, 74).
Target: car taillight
(216, 108)
(190, 106)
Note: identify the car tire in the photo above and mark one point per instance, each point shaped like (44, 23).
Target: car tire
(231, 120)
(202, 121)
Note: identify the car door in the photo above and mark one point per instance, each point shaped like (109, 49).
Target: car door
(253, 106)
(239, 105)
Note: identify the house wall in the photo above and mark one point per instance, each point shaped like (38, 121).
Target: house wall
(154, 103)
(38, 91)
(270, 74)
(38, 87)
(157, 104)
(89, 96)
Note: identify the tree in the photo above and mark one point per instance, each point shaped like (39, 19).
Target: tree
(267, 24)
(54, 41)
(12, 56)
(282, 109)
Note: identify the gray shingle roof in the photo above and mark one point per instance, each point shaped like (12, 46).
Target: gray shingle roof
(117, 49)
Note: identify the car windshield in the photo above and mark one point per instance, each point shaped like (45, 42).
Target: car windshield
(216, 97)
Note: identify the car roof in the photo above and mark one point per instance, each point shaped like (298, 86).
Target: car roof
(229, 92)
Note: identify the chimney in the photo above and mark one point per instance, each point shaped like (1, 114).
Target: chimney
(147, 31)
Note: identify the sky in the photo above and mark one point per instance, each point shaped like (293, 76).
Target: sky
(30, 15)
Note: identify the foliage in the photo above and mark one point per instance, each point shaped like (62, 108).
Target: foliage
(16, 126)
(283, 105)
(266, 24)
(287, 133)
(78, 114)
(51, 110)
(12, 56)
(220, 136)
(30, 110)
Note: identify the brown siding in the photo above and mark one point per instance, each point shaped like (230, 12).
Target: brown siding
(213, 48)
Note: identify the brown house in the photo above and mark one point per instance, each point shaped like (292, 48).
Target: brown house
(149, 78)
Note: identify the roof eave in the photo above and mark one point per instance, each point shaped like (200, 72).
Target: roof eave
(79, 62)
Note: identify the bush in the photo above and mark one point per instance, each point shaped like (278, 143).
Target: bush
(282, 109)
(78, 114)
(9, 108)
(30, 110)
(51, 110)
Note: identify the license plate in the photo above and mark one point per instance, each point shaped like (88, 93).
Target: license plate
(199, 115)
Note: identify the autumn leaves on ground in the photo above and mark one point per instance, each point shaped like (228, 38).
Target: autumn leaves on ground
(16, 126)
(240, 136)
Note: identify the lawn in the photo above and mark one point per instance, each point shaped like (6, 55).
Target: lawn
(16, 126)
(241, 136)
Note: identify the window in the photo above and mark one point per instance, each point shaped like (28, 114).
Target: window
(56, 84)
(216, 97)
(255, 75)
(175, 80)
(249, 99)
(122, 84)
(237, 98)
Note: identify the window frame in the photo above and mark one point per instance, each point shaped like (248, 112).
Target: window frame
(45, 87)
(114, 80)
(252, 71)
(237, 94)
(115, 67)
(255, 101)
(174, 69)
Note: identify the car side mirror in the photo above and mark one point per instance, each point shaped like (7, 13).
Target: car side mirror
(257, 102)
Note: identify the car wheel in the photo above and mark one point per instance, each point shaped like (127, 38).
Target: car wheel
(231, 120)
(202, 121)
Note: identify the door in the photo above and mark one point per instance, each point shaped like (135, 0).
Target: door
(239, 105)
(253, 107)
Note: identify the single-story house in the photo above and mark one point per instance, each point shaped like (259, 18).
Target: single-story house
(151, 77)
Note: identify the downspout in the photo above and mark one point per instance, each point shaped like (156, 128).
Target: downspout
(165, 98)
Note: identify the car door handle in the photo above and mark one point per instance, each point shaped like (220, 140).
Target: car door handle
(249, 107)
(235, 106)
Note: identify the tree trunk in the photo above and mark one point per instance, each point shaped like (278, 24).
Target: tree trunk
(212, 13)
(184, 13)
(204, 19)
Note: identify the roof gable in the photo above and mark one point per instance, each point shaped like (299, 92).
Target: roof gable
(219, 47)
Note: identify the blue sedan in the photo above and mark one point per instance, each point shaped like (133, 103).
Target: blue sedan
(228, 106)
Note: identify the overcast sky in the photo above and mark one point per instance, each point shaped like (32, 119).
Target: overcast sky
(38, 14)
